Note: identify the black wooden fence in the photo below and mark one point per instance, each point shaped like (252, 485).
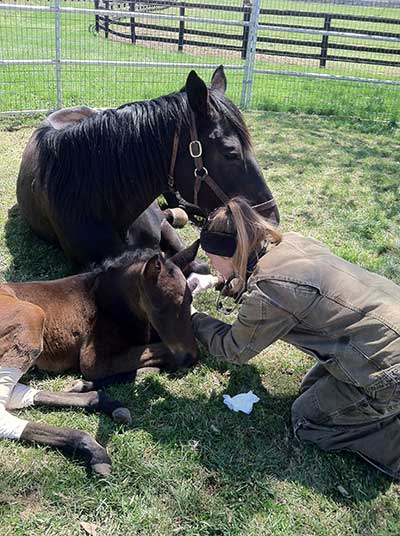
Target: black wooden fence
(326, 50)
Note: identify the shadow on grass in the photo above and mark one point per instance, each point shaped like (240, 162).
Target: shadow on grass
(32, 258)
(242, 453)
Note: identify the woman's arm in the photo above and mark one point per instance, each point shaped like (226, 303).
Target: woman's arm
(259, 323)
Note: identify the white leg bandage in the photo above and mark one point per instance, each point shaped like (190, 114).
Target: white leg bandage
(22, 396)
(10, 426)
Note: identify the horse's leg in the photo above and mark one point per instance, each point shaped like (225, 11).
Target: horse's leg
(171, 243)
(84, 386)
(71, 441)
(174, 200)
(23, 396)
(21, 341)
(105, 370)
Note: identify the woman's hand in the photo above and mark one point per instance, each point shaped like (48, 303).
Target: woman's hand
(200, 282)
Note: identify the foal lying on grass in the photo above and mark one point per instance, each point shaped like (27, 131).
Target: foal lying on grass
(130, 313)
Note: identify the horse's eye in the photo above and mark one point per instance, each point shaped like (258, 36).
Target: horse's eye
(231, 156)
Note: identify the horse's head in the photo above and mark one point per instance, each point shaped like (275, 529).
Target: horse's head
(165, 299)
(227, 151)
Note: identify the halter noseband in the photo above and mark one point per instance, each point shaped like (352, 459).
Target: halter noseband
(200, 171)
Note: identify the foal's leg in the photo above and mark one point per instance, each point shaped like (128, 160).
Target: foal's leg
(71, 441)
(120, 368)
(23, 396)
(67, 439)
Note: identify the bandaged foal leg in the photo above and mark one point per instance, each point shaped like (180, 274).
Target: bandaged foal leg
(11, 427)
(14, 395)
(24, 396)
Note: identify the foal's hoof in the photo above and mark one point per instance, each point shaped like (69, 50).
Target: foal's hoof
(81, 386)
(122, 416)
(101, 469)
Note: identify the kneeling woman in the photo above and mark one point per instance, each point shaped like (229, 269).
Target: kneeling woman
(295, 289)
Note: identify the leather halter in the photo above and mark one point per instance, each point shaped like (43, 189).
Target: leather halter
(200, 171)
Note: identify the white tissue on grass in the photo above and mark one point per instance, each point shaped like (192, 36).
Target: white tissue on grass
(242, 402)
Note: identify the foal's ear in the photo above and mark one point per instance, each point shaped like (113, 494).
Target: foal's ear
(218, 80)
(197, 93)
(152, 268)
(186, 256)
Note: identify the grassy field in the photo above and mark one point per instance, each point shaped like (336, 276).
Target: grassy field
(188, 465)
(27, 35)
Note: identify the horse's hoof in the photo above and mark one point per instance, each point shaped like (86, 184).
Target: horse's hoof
(147, 371)
(81, 386)
(101, 469)
(177, 217)
(122, 416)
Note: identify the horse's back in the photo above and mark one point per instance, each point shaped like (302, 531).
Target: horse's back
(68, 310)
(21, 330)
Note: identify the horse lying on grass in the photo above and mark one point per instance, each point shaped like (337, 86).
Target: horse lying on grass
(86, 175)
(129, 313)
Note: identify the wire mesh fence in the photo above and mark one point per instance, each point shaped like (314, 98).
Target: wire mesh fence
(329, 57)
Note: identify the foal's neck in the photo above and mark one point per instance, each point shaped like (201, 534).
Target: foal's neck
(117, 298)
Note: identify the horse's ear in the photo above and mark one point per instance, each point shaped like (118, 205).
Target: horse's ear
(218, 80)
(197, 93)
(152, 268)
(186, 256)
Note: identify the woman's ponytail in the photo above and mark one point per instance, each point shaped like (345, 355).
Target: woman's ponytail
(251, 229)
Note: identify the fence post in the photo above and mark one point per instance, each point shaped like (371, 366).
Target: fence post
(325, 38)
(97, 24)
(246, 18)
(132, 7)
(57, 5)
(181, 29)
(106, 19)
(248, 74)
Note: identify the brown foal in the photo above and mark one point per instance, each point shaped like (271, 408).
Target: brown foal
(130, 313)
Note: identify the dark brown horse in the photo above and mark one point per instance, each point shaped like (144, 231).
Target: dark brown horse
(86, 175)
(132, 312)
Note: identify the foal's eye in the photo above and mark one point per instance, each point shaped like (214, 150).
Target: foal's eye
(231, 156)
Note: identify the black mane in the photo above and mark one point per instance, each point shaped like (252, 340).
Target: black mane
(117, 154)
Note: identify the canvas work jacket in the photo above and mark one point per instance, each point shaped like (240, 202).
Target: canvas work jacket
(300, 292)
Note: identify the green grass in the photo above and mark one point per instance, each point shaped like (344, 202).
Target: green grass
(27, 35)
(187, 465)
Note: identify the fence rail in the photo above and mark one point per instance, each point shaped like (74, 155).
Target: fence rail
(106, 23)
(253, 40)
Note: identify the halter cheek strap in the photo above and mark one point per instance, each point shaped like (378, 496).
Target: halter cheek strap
(200, 171)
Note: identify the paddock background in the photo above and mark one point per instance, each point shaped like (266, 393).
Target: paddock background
(187, 465)
(52, 56)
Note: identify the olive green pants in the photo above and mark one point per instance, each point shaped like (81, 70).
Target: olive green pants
(339, 416)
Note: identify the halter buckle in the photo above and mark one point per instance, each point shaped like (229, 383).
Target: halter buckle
(200, 173)
(195, 149)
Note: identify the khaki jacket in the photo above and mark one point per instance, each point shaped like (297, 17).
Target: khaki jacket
(300, 292)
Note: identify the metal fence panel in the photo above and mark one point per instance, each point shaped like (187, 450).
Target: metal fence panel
(338, 57)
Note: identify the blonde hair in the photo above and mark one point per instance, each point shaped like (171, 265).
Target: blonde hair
(251, 229)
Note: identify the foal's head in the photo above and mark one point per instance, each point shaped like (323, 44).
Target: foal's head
(144, 288)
